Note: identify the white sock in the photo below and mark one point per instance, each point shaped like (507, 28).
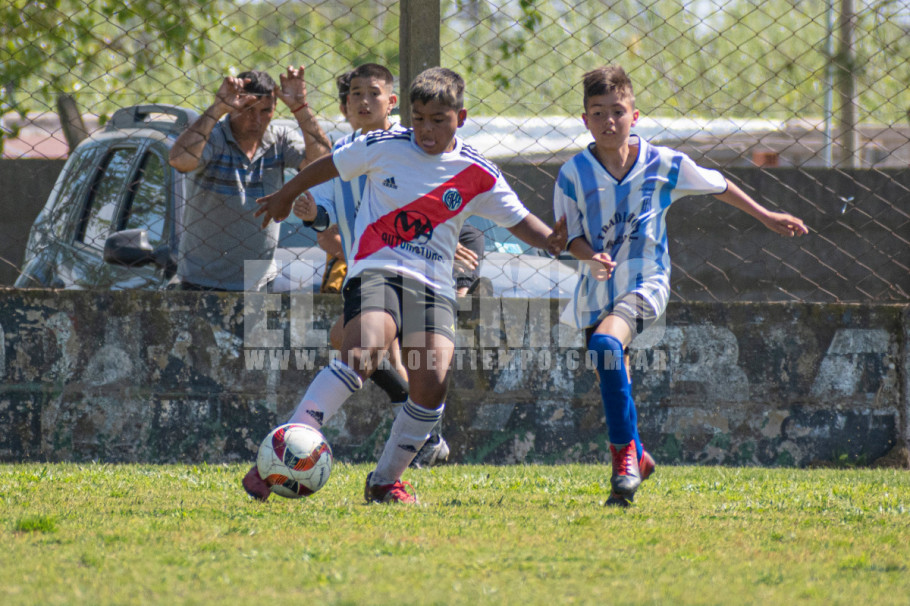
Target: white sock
(332, 386)
(410, 430)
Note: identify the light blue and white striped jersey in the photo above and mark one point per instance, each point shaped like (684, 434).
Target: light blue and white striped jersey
(627, 220)
(341, 199)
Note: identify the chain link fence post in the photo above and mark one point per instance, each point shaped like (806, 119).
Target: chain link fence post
(419, 46)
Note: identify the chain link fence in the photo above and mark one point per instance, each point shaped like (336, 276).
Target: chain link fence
(805, 104)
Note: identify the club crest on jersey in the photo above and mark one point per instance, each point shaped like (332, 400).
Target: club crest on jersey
(413, 226)
(452, 199)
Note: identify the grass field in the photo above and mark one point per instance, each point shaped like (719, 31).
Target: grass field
(104, 534)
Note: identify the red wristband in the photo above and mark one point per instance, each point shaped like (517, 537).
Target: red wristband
(305, 104)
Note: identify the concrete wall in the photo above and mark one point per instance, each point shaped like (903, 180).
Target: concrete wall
(24, 188)
(189, 377)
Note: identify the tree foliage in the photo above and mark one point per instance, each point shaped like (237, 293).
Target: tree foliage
(67, 46)
(743, 58)
(111, 53)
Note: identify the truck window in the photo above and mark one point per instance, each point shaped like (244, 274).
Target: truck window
(148, 207)
(104, 198)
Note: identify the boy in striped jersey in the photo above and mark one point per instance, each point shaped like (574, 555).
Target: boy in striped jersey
(421, 185)
(614, 196)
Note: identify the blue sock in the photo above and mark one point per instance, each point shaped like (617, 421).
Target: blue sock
(616, 391)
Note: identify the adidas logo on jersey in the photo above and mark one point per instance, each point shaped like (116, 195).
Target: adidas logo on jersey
(390, 182)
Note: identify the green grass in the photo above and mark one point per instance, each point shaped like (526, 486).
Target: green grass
(103, 534)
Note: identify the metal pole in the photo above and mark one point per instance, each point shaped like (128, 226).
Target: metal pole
(846, 87)
(829, 88)
(418, 45)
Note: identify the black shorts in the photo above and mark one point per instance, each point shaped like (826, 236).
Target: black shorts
(413, 305)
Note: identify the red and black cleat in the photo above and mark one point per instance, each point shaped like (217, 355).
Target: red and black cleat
(628, 474)
(389, 493)
(255, 486)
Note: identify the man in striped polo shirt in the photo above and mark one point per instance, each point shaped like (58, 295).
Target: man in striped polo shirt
(235, 155)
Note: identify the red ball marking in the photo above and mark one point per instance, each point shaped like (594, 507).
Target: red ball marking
(276, 479)
(310, 461)
(278, 444)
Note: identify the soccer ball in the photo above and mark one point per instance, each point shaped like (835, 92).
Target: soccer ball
(294, 460)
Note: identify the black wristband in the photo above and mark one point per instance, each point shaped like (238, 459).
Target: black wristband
(321, 222)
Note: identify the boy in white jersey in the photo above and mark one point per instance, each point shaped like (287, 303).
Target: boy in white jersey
(366, 99)
(614, 196)
(421, 185)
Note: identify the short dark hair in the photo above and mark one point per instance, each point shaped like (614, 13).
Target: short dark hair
(260, 83)
(438, 84)
(606, 80)
(343, 82)
(373, 70)
(367, 70)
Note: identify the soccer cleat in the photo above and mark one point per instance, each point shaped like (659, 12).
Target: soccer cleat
(255, 486)
(388, 493)
(646, 465)
(434, 452)
(626, 476)
(616, 500)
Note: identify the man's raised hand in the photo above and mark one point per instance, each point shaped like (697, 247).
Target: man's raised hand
(292, 89)
(230, 95)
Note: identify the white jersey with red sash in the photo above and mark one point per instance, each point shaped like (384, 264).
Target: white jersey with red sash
(414, 204)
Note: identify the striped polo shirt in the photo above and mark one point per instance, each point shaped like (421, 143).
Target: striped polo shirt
(218, 231)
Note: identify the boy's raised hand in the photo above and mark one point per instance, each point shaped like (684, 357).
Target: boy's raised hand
(602, 266)
(785, 224)
(556, 241)
(274, 206)
(305, 207)
(465, 257)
